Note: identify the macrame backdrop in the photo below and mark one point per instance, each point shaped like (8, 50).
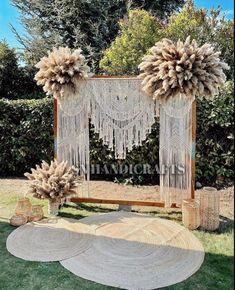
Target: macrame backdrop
(175, 150)
(122, 116)
(120, 112)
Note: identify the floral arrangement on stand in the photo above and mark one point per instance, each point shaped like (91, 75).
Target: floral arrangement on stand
(182, 69)
(55, 181)
(60, 72)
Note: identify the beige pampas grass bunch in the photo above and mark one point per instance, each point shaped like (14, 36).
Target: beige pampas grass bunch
(54, 181)
(182, 69)
(61, 70)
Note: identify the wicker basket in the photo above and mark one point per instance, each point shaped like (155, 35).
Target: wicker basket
(18, 220)
(209, 208)
(23, 207)
(191, 214)
(36, 213)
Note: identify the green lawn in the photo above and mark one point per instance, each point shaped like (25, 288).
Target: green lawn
(215, 273)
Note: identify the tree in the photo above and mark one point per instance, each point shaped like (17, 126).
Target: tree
(204, 26)
(137, 34)
(91, 25)
(8, 71)
(201, 25)
(159, 8)
(15, 81)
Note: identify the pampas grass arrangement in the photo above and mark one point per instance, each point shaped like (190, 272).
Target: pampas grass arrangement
(60, 71)
(53, 181)
(182, 69)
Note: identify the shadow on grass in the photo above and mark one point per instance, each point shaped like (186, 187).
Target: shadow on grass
(173, 216)
(71, 215)
(226, 225)
(89, 208)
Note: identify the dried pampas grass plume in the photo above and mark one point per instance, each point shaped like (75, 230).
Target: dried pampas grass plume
(182, 69)
(53, 181)
(61, 70)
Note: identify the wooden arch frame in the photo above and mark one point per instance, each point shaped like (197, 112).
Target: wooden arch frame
(130, 202)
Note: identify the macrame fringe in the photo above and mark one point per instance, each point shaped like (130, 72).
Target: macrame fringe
(121, 114)
(73, 131)
(175, 152)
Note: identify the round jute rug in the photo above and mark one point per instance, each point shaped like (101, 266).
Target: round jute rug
(50, 240)
(133, 251)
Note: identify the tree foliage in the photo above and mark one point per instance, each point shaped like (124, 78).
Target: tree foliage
(160, 8)
(91, 25)
(204, 26)
(138, 32)
(8, 70)
(15, 81)
(198, 23)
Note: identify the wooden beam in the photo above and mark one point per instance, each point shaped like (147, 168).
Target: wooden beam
(193, 169)
(119, 201)
(55, 126)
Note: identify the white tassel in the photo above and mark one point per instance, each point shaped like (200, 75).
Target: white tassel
(175, 150)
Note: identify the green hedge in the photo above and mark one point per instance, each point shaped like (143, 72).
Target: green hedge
(26, 137)
(26, 134)
(215, 138)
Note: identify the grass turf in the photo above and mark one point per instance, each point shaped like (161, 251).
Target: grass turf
(16, 274)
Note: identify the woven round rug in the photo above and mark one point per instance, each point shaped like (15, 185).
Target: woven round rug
(133, 251)
(50, 240)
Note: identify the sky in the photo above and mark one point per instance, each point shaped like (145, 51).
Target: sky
(9, 15)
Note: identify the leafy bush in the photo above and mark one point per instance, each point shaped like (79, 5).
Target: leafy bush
(215, 138)
(26, 137)
(26, 134)
(138, 33)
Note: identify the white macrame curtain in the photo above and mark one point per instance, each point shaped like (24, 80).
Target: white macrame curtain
(121, 113)
(119, 110)
(73, 130)
(175, 150)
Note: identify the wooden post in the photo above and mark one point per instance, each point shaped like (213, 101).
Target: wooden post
(193, 169)
(55, 124)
